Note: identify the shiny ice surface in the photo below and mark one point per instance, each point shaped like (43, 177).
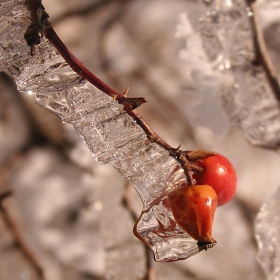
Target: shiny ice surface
(110, 134)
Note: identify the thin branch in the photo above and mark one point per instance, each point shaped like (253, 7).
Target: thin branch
(5, 174)
(129, 104)
(261, 49)
(77, 66)
(19, 239)
(141, 73)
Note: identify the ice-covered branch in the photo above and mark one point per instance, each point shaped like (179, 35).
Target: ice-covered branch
(111, 130)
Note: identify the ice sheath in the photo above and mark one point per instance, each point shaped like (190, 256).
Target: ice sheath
(109, 132)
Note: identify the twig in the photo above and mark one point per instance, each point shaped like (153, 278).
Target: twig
(12, 225)
(261, 50)
(5, 174)
(141, 73)
(129, 104)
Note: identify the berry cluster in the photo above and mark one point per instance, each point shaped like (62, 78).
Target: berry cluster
(193, 206)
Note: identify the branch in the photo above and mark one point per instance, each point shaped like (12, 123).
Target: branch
(261, 49)
(19, 239)
(5, 174)
(129, 104)
(112, 129)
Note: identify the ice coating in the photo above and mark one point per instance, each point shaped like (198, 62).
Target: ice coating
(13, 16)
(110, 134)
(221, 53)
(268, 236)
(267, 225)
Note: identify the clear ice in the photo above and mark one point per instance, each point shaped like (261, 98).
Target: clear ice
(221, 43)
(219, 52)
(222, 59)
(267, 227)
(109, 133)
(268, 236)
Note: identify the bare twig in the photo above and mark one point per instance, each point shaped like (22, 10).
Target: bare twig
(5, 174)
(19, 239)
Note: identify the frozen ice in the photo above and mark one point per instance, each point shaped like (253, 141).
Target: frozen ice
(268, 236)
(111, 135)
(221, 56)
(158, 228)
(12, 47)
(220, 53)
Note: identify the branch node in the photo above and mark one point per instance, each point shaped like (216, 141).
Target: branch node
(39, 21)
(33, 36)
(199, 154)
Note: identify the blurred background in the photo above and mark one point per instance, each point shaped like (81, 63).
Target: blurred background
(72, 217)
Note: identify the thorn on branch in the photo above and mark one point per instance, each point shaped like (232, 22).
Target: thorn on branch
(184, 158)
(135, 102)
(126, 92)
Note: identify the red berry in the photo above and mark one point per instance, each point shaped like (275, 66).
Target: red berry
(220, 175)
(193, 208)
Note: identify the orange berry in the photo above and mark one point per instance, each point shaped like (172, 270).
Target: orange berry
(193, 208)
